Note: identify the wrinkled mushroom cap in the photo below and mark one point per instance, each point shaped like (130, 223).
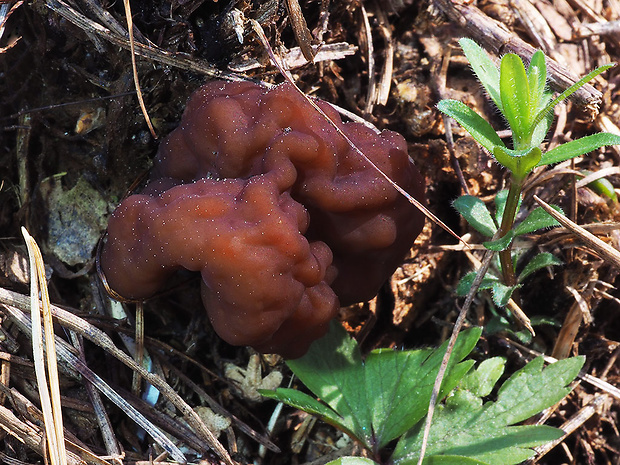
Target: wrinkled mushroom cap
(282, 218)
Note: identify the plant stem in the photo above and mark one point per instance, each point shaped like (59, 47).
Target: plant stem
(508, 219)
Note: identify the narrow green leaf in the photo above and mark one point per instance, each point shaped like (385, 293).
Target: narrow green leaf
(578, 147)
(476, 214)
(541, 130)
(542, 260)
(352, 461)
(484, 67)
(602, 186)
(500, 244)
(475, 124)
(568, 92)
(515, 95)
(537, 77)
(464, 286)
(306, 403)
(537, 219)
(483, 378)
(332, 369)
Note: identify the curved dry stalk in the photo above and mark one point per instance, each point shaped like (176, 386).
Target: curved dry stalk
(49, 396)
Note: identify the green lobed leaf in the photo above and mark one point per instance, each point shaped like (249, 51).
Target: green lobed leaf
(465, 426)
(537, 219)
(476, 125)
(444, 460)
(332, 369)
(464, 285)
(476, 214)
(484, 67)
(578, 147)
(540, 261)
(483, 378)
(399, 384)
(515, 96)
(377, 400)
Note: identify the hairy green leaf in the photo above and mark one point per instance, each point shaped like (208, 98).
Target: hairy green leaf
(484, 67)
(542, 260)
(537, 78)
(475, 124)
(515, 95)
(476, 214)
(500, 244)
(568, 92)
(537, 219)
(464, 286)
(501, 294)
(519, 162)
(578, 147)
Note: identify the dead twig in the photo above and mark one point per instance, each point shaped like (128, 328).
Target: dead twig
(600, 247)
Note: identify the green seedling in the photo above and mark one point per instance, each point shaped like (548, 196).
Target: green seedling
(522, 97)
(381, 401)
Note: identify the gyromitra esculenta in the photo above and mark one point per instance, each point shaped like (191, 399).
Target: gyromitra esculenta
(284, 221)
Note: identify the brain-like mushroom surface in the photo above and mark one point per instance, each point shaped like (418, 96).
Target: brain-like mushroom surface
(283, 219)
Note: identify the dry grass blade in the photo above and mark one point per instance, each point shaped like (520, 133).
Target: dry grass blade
(50, 397)
(105, 426)
(603, 249)
(135, 383)
(98, 337)
(132, 47)
(25, 325)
